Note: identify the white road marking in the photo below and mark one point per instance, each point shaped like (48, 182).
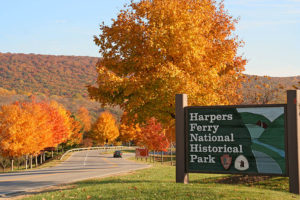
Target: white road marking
(66, 172)
(85, 157)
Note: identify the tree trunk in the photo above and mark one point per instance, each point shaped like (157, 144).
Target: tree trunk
(152, 156)
(26, 159)
(44, 157)
(52, 154)
(36, 161)
(162, 157)
(12, 164)
(30, 161)
(171, 154)
(41, 158)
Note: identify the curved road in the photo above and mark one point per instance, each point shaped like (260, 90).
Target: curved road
(80, 165)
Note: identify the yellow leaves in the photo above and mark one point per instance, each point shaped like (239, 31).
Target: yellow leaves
(29, 127)
(156, 49)
(85, 118)
(76, 134)
(23, 129)
(105, 129)
(170, 132)
(128, 130)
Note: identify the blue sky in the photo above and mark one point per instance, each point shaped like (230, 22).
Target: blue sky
(269, 28)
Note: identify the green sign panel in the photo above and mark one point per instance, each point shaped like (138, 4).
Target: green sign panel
(249, 140)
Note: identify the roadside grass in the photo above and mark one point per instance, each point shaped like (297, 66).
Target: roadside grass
(52, 162)
(158, 182)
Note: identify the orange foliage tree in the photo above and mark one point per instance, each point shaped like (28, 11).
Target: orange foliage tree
(153, 136)
(158, 48)
(105, 129)
(29, 127)
(76, 132)
(24, 129)
(42, 126)
(60, 123)
(170, 132)
(12, 121)
(128, 131)
(85, 118)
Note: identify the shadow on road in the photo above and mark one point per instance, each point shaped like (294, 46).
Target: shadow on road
(20, 194)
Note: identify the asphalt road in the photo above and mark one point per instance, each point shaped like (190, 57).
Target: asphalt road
(79, 166)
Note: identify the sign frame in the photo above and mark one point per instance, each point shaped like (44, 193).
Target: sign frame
(186, 167)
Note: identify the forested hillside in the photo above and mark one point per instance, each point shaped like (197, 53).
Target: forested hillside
(266, 90)
(65, 76)
(71, 104)
(60, 78)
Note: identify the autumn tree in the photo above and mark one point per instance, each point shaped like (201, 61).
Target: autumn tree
(85, 118)
(28, 128)
(129, 131)
(41, 126)
(14, 142)
(170, 132)
(76, 131)
(153, 136)
(105, 129)
(24, 130)
(158, 48)
(61, 124)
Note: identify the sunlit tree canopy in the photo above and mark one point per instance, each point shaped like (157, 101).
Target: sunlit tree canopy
(155, 49)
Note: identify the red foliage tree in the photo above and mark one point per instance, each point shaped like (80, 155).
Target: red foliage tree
(153, 136)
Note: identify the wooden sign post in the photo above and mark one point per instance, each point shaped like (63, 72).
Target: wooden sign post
(181, 103)
(242, 139)
(293, 126)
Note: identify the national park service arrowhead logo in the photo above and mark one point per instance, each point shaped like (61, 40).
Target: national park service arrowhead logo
(241, 163)
(226, 161)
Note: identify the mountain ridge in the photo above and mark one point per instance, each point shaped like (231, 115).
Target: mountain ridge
(68, 76)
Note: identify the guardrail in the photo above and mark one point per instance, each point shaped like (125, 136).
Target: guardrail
(98, 148)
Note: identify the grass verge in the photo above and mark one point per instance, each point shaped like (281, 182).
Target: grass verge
(49, 163)
(158, 182)
(54, 162)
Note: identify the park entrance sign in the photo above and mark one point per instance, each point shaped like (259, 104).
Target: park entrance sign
(236, 139)
(243, 139)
